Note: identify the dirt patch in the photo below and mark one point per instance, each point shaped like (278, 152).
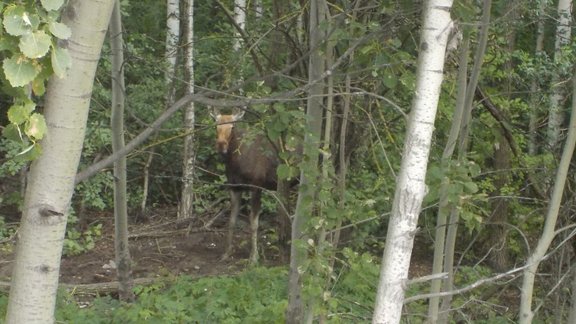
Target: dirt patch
(162, 246)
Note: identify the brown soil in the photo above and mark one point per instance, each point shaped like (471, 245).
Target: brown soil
(161, 247)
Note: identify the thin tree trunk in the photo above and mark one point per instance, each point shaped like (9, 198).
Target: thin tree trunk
(121, 245)
(298, 311)
(535, 96)
(171, 55)
(525, 313)
(563, 34)
(572, 315)
(51, 179)
(189, 156)
(444, 208)
(410, 185)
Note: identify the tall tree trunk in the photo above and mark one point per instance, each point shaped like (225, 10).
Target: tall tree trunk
(548, 233)
(123, 261)
(298, 310)
(443, 207)
(171, 55)
(189, 156)
(535, 96)
(563, 35)
(51, 179)
(410, 185)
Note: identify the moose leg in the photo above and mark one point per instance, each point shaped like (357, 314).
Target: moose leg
(254, 215)
(235, 200)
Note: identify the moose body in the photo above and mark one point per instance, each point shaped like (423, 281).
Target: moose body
(251, 163)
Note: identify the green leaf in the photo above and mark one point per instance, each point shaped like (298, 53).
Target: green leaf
(18, 22)
(283, 171)
(18, 114)
(30, 153)
(19, 71)
(35, 45)
(61, 61)
(52, 4)
(59, 30)
(389, 79)
(38, 87)
(12, 132)
(471, 187)
(36, 126)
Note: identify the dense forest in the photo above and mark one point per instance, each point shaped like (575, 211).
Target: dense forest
(271, 161)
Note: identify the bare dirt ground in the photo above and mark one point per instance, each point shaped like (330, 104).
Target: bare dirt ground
(164, 247)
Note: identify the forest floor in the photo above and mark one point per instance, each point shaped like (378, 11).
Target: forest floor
(163, 247)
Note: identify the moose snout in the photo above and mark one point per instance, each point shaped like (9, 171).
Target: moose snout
(222, 147)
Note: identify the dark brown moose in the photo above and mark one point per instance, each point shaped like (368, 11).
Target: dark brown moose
(251, 164)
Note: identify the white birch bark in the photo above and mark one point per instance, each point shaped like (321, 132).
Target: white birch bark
(171, 55)
(410, 186)
(51, 179)
(240, 20)
(548, 233)
(172, 38)
(563, 34)
(189, 157)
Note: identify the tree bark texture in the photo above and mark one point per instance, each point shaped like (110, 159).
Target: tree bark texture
(298, 310)
(189, 155)
(121, 245)
(51, 179)
(563, 34)
(410, 185)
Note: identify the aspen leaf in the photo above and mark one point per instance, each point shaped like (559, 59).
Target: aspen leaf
(32, 152)
(18, 114)
(59, 30)
(283, 171)
(52, 4)
(19, 71)
(38, 86)
(61, 61)
(36, 126)
(35, 45)
(18, 22)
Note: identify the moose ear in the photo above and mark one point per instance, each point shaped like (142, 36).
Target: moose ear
(214, 113)
(239, 113)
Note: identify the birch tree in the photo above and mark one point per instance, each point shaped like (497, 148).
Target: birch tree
(51, 178)
(171, 54)
(410, 185)
(121, 245)
(563, 34)
(526, 313)
(189, 156)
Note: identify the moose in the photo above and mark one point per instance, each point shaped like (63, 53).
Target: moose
(251, 163)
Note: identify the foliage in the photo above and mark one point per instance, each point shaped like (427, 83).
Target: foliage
(31, 54)
(77, 242)
(254, 296)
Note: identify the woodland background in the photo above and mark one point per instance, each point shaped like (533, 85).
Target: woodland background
(490, 208)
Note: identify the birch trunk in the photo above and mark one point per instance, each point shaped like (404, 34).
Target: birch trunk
(121, 245)
(548, 233)
(51, 179)
(189, 156)
(171, 55)
(563, 34)
(410, 185)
